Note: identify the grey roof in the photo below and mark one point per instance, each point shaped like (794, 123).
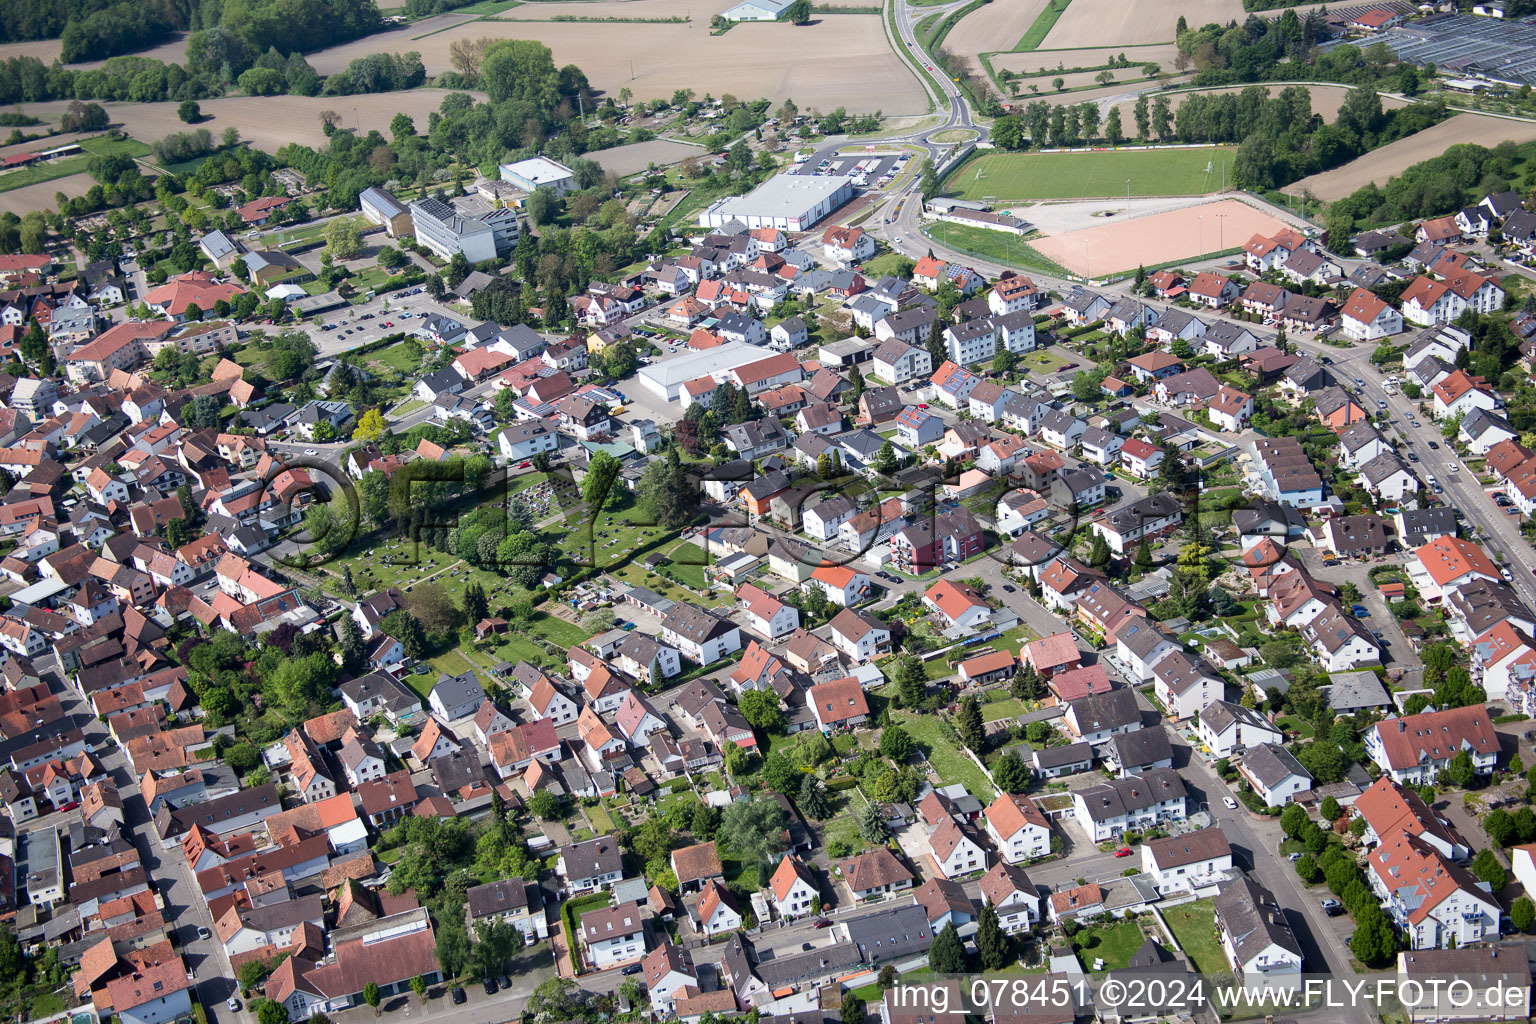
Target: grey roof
(1479, 421)
(1140, 748)
(1113, 710)
(383, 201)
(1351, 691)
(1174, 320)
(600, 856)
(1417, 524)
(1057, 757)
(218, 245)
(1357, 435)
(1272, 764)
(1382, 467)
(890, 934)
(497, 897)
(694, 623)
(1220, 715)
(1119, 797)
(1141, 636)
(460, 689)
(1252, 920)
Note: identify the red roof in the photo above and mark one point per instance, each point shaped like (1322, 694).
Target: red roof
(1437, 735)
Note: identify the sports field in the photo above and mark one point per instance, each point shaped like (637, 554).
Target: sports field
(1090, 174)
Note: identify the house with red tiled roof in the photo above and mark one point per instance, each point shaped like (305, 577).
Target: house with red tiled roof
(198, 288)
(1436, 902)
(1365, 317)
(843, 586)
(1212, 290)
(1413, 749)
(958, 604)
(1018, 828)
(1449, 563)
(1390, 810)
(840, 703)
(1460, 393)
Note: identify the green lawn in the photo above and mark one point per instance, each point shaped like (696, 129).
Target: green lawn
(999, 246)
(944, 753)
(1001, 709)
(600, 819)
(1115, 944)
(1194, 928)
(400, 357)
(885, 263)
(101, 145)
(1154, 172)
(1043, 23)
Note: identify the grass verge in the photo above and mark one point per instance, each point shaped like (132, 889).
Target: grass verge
(998, 246)
(1042, 26)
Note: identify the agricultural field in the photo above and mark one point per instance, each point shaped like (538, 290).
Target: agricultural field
(1034, 61)
(836, 62)
(1013, 177)
(1396, 157)
(267, 122)
(994, 26)
(40, 196)
(1091, 23)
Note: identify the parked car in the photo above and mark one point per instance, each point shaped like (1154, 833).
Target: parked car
(490, 986)
(632, 969)
(203, 933)
(1230, 803)
(233, 1004)
(1124, 851)
(457, 995)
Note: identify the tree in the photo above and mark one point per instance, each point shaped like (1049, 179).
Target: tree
(1486, 865)
(992, 946)
(752, 828)
(1522, 914)
(911, 681)
(812, 800)
(872, 825)
(543, 207)
(1293, 819)
(1010, 773)
(189, 111)
(1374, 942)
(1114, 131)
(852, 1009)
(930, 182)
(349, 644)
(544, 804)
(1330, 809)
(370, 426)
(947, 954)
(1098, 554)
(598, 488)
(761, 709)
(344, 237)
(1307, 869)
(895, 744)
(1461, 771)
(270, 1012)
(371, 996)
(969, 725)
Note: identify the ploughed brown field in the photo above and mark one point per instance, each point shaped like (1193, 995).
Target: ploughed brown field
(1123, 22)
(1393, 159)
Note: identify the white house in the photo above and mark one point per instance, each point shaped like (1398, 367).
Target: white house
(1135, 802)
(716, 910)
(613, 936)
(1275, 774)
(766, 614)
(1226, 728)
(1188, 861)
(1013, 896)
(1437, 902)
(1415, 748)
(794, 889)
(1018, 829)
(1183, 687)
(956, 851)
(668, 970)
(1254, 934)
(1365, 317)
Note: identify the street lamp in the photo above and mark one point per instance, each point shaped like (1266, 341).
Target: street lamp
(1127, 189)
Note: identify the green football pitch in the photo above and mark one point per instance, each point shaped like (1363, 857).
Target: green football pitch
(1013, 177)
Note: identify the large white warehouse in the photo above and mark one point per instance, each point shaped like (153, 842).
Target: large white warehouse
(666, 379)
(789, 202)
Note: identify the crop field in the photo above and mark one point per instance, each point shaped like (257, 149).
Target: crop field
(1125, 22)
(1396, 157)
(1049, 60)
(41, 195)
(1014, 177)
(267, 122)
(834, 62)
(994, 26)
